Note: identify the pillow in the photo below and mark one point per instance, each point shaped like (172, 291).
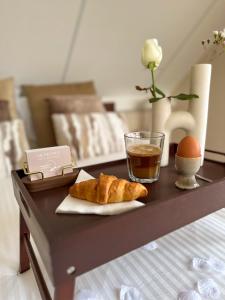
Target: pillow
(25, 115)
(75, 103)
(7, 94)
(4, 111)
(37, 95)
(13, 142)
(90, 135)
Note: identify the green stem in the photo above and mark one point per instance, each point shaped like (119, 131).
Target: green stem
(153, 83)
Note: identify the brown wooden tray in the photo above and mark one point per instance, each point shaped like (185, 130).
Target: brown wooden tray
(87, 241)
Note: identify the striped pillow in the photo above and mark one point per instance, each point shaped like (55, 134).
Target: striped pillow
(90, 135)
(13, 142)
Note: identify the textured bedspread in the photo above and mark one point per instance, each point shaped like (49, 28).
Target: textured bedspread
(158, 274)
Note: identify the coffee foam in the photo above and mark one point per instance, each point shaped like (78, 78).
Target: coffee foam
(143, 150)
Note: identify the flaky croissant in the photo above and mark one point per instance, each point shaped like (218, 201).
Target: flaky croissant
(107, 189)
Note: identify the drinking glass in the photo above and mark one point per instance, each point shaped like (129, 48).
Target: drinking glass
(144, 151)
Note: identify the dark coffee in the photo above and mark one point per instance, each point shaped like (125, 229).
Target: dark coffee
(144, 160)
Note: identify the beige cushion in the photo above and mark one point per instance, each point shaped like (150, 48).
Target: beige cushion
(37, 95)
(7, 94)
(4, 111)
(75, 103)
(13, 143)
(90, 135)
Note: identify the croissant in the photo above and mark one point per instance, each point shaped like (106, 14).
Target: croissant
(107, 189)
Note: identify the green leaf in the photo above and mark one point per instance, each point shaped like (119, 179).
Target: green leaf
(185, 96)
(154, 99)
(159, 92)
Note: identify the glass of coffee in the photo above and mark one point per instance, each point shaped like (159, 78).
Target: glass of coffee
(144, 150)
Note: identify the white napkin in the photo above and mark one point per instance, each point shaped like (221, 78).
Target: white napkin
(71, 205)
(129, 293)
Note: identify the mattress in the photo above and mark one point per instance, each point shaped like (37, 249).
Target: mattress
(158, 274)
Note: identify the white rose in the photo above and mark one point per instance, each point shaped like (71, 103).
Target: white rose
(151, 52)
(215, 32)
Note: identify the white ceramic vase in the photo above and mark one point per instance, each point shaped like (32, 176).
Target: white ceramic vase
(161, 111)
(193, 121)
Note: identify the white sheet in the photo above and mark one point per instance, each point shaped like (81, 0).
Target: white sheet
(159, 274)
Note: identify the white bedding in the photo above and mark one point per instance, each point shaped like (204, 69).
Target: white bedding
(158, 274)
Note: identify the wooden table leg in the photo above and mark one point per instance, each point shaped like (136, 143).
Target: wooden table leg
(24, 259)
(65, 290)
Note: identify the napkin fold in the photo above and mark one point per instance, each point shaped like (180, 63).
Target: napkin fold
(71, 205)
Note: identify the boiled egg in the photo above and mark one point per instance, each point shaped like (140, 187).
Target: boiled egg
(189, 147)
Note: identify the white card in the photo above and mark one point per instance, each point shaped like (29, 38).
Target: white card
(50, 161)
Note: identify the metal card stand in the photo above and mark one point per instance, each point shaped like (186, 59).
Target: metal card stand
(49, 182)
(28, 173)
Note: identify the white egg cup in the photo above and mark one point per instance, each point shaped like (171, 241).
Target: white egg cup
(187, 168)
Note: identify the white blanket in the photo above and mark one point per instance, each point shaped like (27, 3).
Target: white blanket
(160, 274)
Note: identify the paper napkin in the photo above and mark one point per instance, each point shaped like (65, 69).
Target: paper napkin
(71, 205)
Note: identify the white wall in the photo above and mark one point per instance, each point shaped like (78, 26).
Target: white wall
(216, 119)
(36, 37)
(113, 32)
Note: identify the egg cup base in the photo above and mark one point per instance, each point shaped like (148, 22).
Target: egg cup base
(186, 182)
